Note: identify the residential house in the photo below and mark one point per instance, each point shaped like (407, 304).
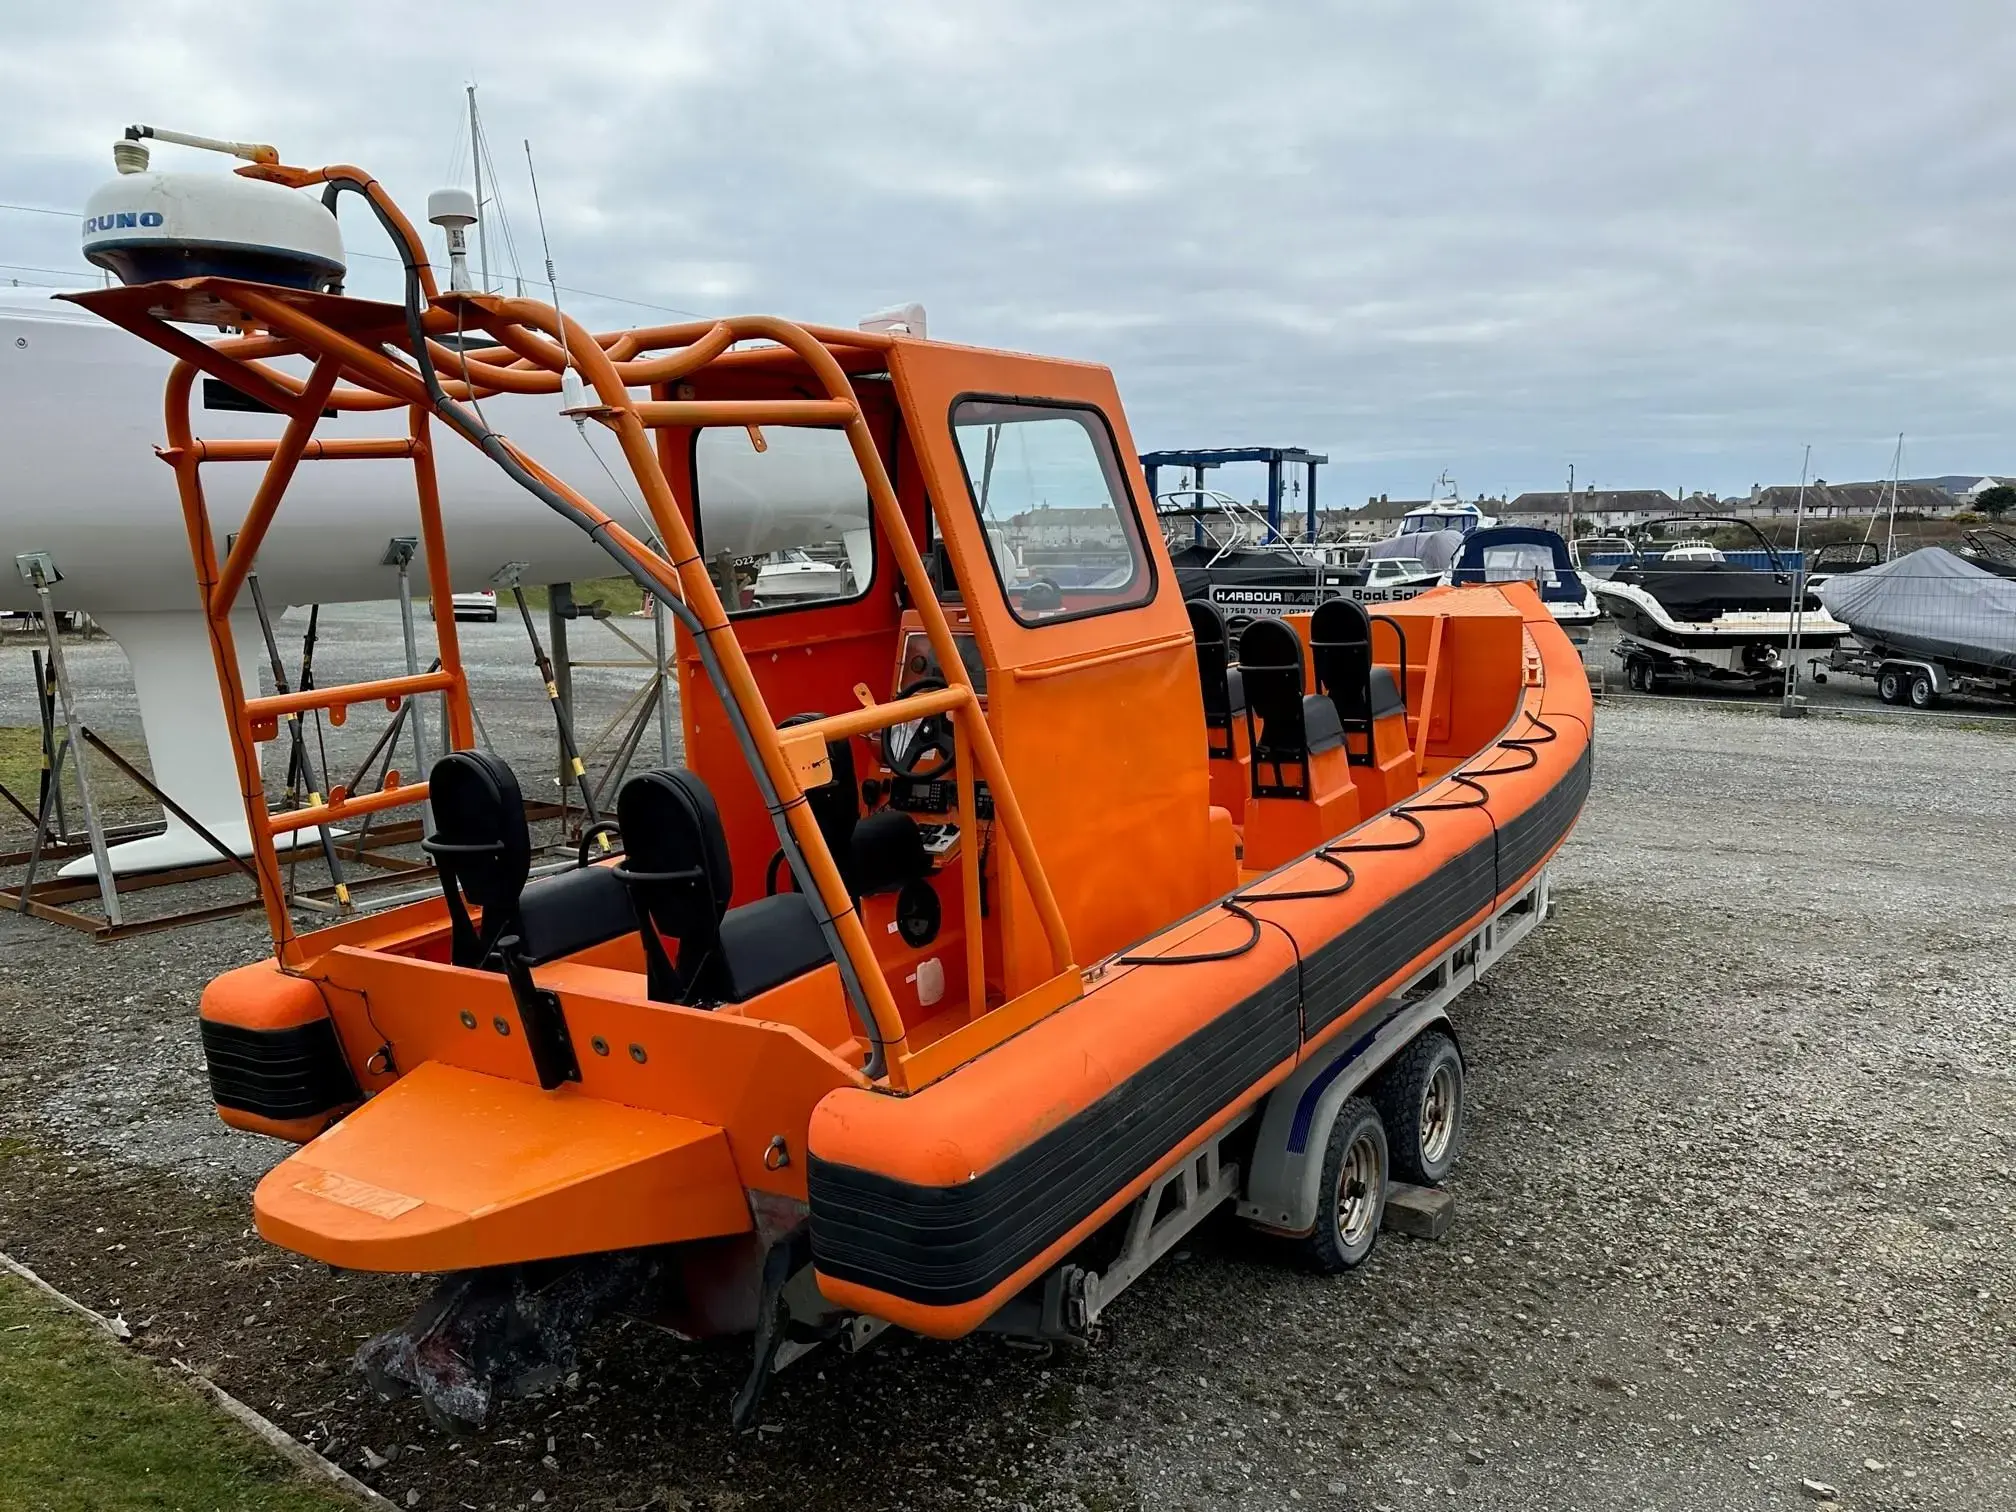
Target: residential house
(1602, 510)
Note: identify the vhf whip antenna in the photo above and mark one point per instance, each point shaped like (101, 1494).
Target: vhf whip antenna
(574, 400)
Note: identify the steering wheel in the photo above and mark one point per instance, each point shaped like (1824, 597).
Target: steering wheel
(1042, 596)
(920, 749)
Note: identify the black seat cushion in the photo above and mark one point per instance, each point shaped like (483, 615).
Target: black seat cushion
(888, 851)
(1386, 695)
(766, 943)
(1321, 726)
(572, 911)
(1235, 691)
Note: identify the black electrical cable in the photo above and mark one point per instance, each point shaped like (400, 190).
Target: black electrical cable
(1204, 957)
(1338, 891)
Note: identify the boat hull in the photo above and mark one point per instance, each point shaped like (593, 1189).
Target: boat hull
(1641, 616)
(933, 1210)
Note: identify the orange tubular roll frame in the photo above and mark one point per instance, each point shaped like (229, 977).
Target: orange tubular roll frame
(351, 345)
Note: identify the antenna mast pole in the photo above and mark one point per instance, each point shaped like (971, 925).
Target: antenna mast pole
(482, 220)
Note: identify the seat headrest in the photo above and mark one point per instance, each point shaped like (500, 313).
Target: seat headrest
(1270, 645)
(479, 832)
(1340, 645)
(1207, 624)
(887, 851)
(1340, 622)
(671, 824)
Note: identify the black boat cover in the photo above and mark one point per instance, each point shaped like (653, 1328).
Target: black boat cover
(1519, 553)
(1930, 603)
(1701, 591)
(1247, 568)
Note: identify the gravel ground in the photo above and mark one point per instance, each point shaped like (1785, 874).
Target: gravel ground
(1734, 1214)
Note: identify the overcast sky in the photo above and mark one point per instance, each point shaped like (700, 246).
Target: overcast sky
(1668, 242)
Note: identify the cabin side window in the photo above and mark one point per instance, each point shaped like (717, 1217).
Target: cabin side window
(1060, 522)
(782, 515)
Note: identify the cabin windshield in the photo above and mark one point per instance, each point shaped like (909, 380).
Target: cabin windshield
(1522, 562)
(1425, 522)
(1060, 526)
(782, 516)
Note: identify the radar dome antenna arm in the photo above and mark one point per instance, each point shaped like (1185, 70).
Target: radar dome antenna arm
(420, 290)
(253, 152)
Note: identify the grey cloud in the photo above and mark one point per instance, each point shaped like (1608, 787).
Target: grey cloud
(1669, 241)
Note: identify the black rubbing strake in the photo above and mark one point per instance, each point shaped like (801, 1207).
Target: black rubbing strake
(941, 1246)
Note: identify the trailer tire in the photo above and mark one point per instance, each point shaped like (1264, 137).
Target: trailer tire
(1351, 1196)
(1922, 694)
(1638, 675)
(1890, 685)
(1420, 1100)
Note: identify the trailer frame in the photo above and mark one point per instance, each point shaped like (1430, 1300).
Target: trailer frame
(1914, 679)
(1265, 1163)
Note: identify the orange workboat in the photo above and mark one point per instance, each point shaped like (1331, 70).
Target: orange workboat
(1000, 925)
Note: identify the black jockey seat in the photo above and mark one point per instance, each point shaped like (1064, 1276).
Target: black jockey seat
(483, 850)
(677, 868)
(1285, 725)
(887, 855)
(1224, 685)
(1340, 645)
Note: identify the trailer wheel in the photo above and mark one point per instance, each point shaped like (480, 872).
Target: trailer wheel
(1923, 695)
(1638, 675)
(1890, 685)
(1352, 1193)
(1420, 1100)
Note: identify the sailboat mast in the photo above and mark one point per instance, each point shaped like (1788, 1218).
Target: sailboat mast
(1896, 477)
(482, 220)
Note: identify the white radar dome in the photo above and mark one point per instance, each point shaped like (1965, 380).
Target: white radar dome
(149, 226)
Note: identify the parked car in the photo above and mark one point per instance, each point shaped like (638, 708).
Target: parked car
(478, 603)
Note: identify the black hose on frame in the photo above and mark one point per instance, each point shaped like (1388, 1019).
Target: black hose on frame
(491, 445)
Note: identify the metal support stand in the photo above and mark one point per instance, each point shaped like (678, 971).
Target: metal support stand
(661, 626)
(559, 671)
(298, 779)
(399, 553)
(45, 700)
(39, 569)
(572, 769)
(299, 758)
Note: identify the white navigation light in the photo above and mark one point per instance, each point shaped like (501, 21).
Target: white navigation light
(454, 211)
(146, 226)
